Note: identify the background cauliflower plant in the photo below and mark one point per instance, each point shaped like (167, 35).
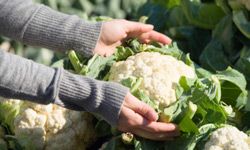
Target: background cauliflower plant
(50, 127)
(228, 138)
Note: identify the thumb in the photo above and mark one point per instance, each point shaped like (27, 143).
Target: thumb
(137, 28)
(141, 108)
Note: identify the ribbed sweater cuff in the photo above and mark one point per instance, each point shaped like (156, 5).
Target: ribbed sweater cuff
(103, 98)
(58, 31)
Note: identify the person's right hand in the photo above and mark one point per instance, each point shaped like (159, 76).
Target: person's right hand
(140, 119)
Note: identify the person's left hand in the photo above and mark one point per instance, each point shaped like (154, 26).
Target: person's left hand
(139, 118)
(115, 31)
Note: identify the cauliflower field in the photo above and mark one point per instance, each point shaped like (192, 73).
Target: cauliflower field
(180, 91)
(210, 109)
(211, 106)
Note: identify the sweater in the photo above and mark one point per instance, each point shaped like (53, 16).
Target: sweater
(20, 78)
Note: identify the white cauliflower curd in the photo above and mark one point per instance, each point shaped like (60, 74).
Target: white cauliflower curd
(160, 73)
(228, 138)
(50, 127)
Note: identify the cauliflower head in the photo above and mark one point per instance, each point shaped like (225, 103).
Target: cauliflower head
(160, 74)
(51, 127)
(228, 138)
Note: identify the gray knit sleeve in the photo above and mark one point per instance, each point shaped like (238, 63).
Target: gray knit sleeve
(38, 25)
(24, 79)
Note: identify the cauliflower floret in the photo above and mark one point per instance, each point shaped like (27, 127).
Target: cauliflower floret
(5, 46)
(246, 3)
(228, 138)
(160, 74)
(77, 128)
(50, 127)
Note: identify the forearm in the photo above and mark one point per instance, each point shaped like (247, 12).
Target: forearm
(38, 25)
(24, 79)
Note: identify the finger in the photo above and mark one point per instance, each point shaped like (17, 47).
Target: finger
(133, 122)
(142, 123)
(160, 127)
(156, 127)
(135, 125)
(137, 28)
(152, 131)
(152, 136)
(141, 108)
(146, 111)
(154, 36)
(130, 119)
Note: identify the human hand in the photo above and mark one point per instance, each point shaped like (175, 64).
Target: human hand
(140, 119)
(114, 32)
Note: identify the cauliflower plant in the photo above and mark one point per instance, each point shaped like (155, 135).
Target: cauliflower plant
(228, 138)
(50, 127)
(160, 74)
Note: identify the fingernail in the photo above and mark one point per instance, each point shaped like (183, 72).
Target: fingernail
(150, 26)
(167, 40)
(173, 127)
